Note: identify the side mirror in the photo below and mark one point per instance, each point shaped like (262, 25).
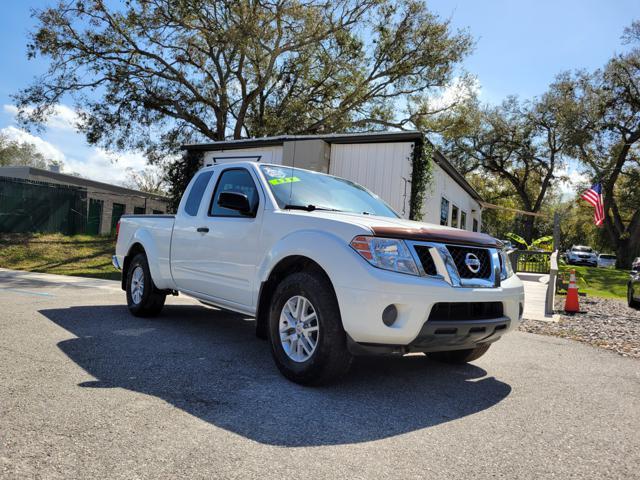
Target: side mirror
(235, 201)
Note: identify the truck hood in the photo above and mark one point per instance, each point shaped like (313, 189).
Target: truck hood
(410, 230)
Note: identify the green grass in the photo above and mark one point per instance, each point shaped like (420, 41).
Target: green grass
(80, 255)
(599, 282)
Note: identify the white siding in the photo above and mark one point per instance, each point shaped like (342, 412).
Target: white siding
(271, 154)
(444, 186)
(384, 168)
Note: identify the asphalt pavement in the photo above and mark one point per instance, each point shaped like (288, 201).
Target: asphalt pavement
(88, 391)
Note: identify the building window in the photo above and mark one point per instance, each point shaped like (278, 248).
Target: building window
(454, 216)
(444, 212)
(475, 225)
(138, 210)
(463, 220)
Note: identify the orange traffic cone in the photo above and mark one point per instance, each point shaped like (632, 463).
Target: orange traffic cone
(571, 303)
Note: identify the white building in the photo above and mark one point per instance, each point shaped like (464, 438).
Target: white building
(381, 161)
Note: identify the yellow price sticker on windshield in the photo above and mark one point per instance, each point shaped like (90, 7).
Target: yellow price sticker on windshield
(280, 181)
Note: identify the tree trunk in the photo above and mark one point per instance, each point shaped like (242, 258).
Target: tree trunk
(527, 228)
(626, 250)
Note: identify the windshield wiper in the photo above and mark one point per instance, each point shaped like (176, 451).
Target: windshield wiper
(310, 208)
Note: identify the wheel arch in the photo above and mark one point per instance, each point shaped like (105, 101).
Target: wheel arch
(135, 249)
(285, 267)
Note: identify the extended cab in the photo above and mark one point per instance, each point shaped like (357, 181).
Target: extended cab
(325, 266)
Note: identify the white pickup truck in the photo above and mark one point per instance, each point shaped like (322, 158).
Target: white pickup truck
(327, 269)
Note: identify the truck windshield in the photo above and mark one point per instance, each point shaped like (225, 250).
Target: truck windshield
(305, 190)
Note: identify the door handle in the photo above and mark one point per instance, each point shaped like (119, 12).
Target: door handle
(203, 229)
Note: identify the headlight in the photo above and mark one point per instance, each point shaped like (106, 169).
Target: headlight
(385, 253)
(507, 269)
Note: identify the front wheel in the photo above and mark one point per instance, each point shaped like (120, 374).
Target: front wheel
(459, 356)
(143, 298)
(308, 342)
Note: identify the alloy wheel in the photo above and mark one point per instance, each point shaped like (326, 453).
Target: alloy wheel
(137, 285)
(299, 328)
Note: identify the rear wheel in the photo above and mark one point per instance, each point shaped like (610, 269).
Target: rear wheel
(308, 342)
(460, 356)
(143, 298)
(630, 300)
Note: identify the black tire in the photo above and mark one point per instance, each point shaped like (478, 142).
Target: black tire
(630, 300)
(331, 359)
(152, 299)
(459, 356)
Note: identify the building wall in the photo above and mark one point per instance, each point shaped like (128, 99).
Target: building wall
(269, 154)
(444, 186)
(308, 154)
(384, 168)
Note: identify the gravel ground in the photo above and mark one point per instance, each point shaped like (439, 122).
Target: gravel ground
(605, 323)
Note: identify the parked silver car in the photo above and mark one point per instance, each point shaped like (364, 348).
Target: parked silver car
(606, 260)
(582, 255)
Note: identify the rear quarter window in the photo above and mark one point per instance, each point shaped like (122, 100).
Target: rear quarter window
(195, 195)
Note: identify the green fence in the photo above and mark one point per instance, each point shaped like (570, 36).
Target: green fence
(27, 207)
(530, 261)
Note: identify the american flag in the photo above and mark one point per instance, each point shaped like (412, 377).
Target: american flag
(594, 197)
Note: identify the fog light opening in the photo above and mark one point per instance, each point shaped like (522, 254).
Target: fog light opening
(389, 315)
(521, 311)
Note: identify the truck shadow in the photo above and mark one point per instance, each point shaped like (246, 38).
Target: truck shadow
(209, 364)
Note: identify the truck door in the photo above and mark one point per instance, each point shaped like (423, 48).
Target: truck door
(220, 255)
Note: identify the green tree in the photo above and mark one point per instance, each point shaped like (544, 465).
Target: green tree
(606, 139)
(521, 145)
(151, 179)
(151, 74)
(15, 153)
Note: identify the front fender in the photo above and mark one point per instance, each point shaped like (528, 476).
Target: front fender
(329, 251)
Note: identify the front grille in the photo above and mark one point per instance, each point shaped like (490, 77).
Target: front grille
(459, 255)
(458, 311)
(426, 259)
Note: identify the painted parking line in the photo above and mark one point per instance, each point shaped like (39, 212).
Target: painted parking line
(27, 292)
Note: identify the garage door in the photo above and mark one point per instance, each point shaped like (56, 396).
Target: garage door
(384, 168)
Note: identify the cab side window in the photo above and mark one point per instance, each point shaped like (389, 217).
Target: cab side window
(236, 180)
(195, 195)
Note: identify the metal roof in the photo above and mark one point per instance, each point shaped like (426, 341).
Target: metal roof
(366, 137)
(25, 172)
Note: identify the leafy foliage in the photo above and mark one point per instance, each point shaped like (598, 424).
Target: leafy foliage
(606, 139)
(15, 153)
(521, 144)
(152, 74)
(421, 176)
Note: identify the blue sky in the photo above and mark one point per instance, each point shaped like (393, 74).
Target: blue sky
(520, 46)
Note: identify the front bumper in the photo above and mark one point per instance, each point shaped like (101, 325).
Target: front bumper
(583, 261)
(361, 310)
(116, 262)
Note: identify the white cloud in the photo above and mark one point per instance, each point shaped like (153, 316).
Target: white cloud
(47, 149)
(106, 166)
(460, 89)
(62, 118)
(572, 180)
(89, 162)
